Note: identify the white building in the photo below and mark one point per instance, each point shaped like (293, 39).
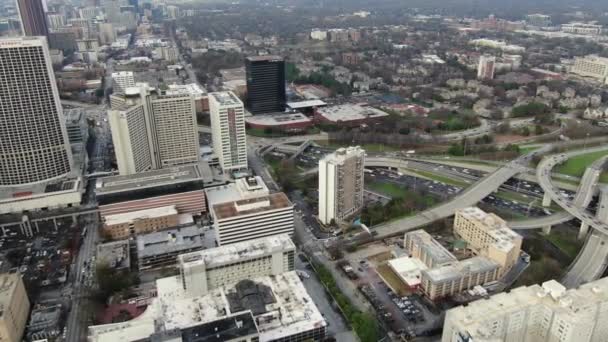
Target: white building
(151, 130)
(34, 144)
(341, 184)
(246, 210)
(591, 66)
(122, 80)
(228, 130)
(107, 33)
(210, 269)
(56, 20)
(168, 53)
(533, 314)
(318, 35)
(486, 67)
(582, 28)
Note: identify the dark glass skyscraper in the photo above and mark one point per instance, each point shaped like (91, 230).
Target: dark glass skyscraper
(33, 18)
(265, 84)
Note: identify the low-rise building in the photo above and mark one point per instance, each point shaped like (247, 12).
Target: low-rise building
(15, 307)
(161, 249)
(349, 114)
(408, 270)
(115, 254)
(582, 28)
(281, 122)
(45, 322)
(124, 226)
(591, 66)
(533, 313)
(420, 245)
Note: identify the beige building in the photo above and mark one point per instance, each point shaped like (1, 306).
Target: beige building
(126, 225)
(421, 245)
(454, 278)
(228, 130)
(341, 184)
(14, 307)
(488, 235)
(591, 66)
(535, 313)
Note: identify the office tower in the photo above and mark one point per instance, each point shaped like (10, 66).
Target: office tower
(265, 84)
(33, 18)
(533, 314)
(33, 138)
(172, 12)
(122, 80)
(152, 130)
(107, 34)
(56, 20)
(228, 130)
(341, 184)
(486, 67)
(15, 307)
(246, 210)
(488, 235)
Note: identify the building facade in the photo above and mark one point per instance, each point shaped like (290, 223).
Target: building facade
(126, 225)
(15, 307)
(420, 245)
(33, 18)
(228, 130)
(33, 137)
(488, 235)
(591, 66)
(122, 80)
(341, 184)
(265, 84)
(582, 28)
(486, 67)
(203, 271)
(533, 314)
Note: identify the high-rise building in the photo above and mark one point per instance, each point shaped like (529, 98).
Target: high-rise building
(107, 34)
(122, 80)
(533, 314)
(265, 84)
(34, 145)
(341, 184)
(56, 20)
(152, 130)
(486, 67)
(246, 210)
(33, 18)
(228, 130)
(15, 307)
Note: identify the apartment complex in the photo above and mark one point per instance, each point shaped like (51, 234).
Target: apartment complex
(228, 130)
(488, 235)
(206, 270)
(122, 80)
(533, 314)
(34, 144)
(420, 245)
(15, 307)
(341, 184)
(450, 279)
(151, 130)
(246, 210)
(486, 67)
(591, 66)
(265, 84)
(582, 28)
(126, 225)
(33, 18)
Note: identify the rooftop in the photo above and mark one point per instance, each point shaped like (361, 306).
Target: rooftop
(243, 188)
(149, 179)
(493, 225)
(131, 216)
(191, 89)
(277, 119)
(350, 112)
(251, 206)
(267, 58)
(408, 269)
(291, 311)
(460, 269)
(343, 154)
(238, 251)
(225, 98)
(169, 241)
(115, 253)
(432, 247)
(306, 104)
(8, 285)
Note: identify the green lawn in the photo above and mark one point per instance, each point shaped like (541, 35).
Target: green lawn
(566, 243)
(366, 147)
(525, 150)
(388, 189)
(576, 166)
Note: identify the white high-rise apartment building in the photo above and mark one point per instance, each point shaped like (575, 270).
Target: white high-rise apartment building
(535, 313)
(34, 144)
(122, 80)
(341, 184)
(228, 130)
(153, 131)
(591, 66)
(213, 268)
(486, 67)
(56, 20)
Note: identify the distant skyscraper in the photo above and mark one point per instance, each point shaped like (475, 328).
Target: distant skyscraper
(487, 65)
(33, 18)
(153, 131)
(34, 144)
(228, 130)
(341, 184)
(265, 84)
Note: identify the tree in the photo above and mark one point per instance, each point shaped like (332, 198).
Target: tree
(112, 281)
